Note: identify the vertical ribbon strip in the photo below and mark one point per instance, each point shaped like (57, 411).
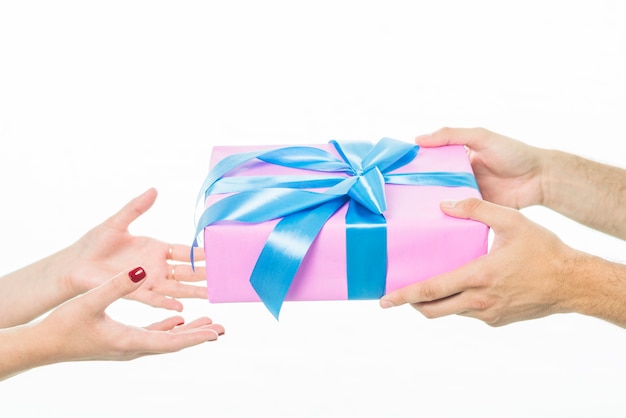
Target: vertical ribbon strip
(358, 178)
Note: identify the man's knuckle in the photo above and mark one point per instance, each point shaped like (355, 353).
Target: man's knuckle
(428, 292)
(480, 304)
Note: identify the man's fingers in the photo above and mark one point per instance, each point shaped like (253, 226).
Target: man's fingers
(435, 288)
(495, 216)
(472, 137)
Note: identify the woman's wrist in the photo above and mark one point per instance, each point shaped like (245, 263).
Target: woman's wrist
(66, 272)
(56, 273)
(22, 348)
(35, 289)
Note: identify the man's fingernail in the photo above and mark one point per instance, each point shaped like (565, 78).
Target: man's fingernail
(386, 304)
(137, 274)
(449, 203)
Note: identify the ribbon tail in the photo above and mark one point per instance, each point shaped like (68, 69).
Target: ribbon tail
(221, 168)
(366, 252)
(191, 256)
(284, 251)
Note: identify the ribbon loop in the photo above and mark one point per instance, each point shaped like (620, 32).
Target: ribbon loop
(389, 154)
(307, 158)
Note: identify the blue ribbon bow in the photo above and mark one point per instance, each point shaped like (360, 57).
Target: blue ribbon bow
(363, 170)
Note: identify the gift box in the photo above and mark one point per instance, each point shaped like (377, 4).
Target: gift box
(333, 221)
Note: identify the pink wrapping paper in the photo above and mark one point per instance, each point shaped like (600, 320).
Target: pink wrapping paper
(421, 241)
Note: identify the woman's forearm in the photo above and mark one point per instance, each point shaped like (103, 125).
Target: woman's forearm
(21, 349)
(35, 289)
(586, 191)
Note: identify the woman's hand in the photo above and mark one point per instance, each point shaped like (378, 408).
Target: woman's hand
(81, 330)
(109, 247)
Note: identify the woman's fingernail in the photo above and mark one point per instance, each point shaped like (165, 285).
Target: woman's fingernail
(216, 335)
(137, 274)
(449, 203)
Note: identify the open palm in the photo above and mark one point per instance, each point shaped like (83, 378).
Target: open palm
(109, 248)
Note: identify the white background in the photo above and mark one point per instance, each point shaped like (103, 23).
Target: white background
(101, 100)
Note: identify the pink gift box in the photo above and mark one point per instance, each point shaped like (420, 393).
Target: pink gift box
(421, 241)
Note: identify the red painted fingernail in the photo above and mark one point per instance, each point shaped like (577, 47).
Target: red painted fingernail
(137, 274)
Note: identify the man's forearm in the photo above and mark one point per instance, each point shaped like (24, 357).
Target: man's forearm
(586, 191)
(596, 287)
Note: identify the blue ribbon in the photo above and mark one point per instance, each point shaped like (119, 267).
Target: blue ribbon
(359, 179)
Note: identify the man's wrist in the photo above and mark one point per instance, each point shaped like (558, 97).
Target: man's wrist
(597, 288)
